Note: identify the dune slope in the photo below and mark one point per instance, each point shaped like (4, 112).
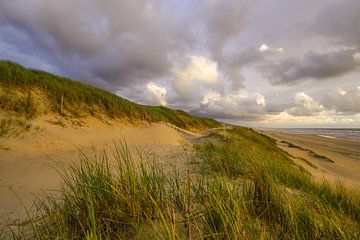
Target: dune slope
(28, 163)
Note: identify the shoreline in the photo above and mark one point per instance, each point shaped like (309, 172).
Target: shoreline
(354, 135)
(331, 137)
(325, 158)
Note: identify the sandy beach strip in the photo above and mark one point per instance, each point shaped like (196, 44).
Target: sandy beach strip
(324, 157)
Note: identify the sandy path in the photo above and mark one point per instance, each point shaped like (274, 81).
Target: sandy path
(27, 168)
(344, 153)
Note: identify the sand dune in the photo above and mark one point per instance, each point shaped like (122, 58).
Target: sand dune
(344, 153)
(27, 164)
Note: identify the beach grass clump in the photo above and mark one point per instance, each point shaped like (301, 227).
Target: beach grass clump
(11, 126)
(224, 211)
(308, 162)
(100, 201)
(312, 153)
(316, 155)
(18, 102)
(338, 196)
(131, 199)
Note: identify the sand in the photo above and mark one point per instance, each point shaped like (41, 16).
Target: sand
(28, 164)
(344, 153)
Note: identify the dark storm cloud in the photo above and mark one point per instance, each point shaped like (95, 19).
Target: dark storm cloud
(224, 115)
(222, 21)
(340, 22)
(228, 116)
(274, 108)
(234, 64)
(312, 65)
(238, 105)
(121, 42)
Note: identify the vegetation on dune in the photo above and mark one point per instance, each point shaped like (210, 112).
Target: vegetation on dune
(307, 162)
(245, 152)
(312, 153)
(72, 98)
(13, 126)
(239, 186)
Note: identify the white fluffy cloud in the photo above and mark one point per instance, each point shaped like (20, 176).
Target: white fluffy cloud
(199, 70)
(266, 48)
(342, 92)
(157, 92)
(357, 56)
(305, 106)
(260, 100)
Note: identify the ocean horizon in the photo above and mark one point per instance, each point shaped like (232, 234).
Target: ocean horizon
(336, 133)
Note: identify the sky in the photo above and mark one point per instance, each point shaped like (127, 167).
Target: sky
(258, 63)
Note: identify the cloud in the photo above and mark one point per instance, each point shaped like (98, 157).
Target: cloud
(265, 48)
(217, 24)
(199, 70)
(343, 101)
(341, 92)
(260, 100)
(236, 105)
(338, 21)
(120, 42)
(159, 93)
(233, 65)
(312, 65)
(221, 21)
(305, 106)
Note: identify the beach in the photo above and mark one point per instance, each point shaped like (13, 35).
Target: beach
(324, 157)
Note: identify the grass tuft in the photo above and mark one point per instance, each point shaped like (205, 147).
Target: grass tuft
(13, 126)
(312, 153)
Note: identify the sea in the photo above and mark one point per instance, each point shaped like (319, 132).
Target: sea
(339, 133)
